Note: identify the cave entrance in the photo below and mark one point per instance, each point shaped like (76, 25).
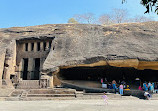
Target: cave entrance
(37, 69)
(25, 72)
(31, 70)
(119, 74)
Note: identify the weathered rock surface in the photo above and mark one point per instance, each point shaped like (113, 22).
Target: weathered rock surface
(86, 44)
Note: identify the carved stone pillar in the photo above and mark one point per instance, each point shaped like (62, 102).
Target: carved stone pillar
(29, 46)
(23, 47)
(47, 45)
(30, 68)
(51, 85)
(41, 46)
(20, 69)
(35, 47)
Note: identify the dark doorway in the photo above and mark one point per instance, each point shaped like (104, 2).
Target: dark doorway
(25, 69)
(37, 69)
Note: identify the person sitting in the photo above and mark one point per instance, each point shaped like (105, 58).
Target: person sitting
(147, 95)
(140, 88)
(128, 88)
(110, 86)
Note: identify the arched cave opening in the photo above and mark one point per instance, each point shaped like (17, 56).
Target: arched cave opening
(110, 73)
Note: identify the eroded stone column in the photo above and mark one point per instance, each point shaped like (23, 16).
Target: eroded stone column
(51, 81)
(21, 69)
(47, 45)
(5, 72)
(41, 63)
(2, 60)
(23, 47)
(29, 46)
(35, 47)
(41, 46)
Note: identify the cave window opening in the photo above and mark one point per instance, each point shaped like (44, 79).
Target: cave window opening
(50, 43)
(26, 46)
(38, 46)
(32, 46)
(44, 46)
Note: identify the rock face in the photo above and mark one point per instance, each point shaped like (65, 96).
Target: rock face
(79, 44)
(87, 44)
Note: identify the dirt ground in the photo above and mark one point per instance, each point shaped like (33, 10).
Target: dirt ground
(80, 105)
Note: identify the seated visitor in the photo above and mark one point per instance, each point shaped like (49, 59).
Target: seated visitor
(128, 88)
(110, 86)
(140, 88)
(147, 95)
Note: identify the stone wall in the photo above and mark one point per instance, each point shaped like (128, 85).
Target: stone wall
(2, 59)
(10, 59)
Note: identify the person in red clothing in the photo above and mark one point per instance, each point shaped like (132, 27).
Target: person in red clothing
(101, 80)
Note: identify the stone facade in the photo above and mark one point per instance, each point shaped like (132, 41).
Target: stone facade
(23, 60)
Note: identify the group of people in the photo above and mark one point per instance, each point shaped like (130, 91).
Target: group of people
(113, 85)
(121, 86)
(148, 86)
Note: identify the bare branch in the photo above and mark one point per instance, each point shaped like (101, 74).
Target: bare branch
(105, 19)
(85, 18)
(119, 15)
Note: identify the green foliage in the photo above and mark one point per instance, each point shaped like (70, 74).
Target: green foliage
(72, 20)
(149, 4)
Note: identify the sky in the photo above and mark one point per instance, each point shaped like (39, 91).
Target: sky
(18, 13)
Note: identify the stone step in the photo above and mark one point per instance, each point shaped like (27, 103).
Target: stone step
(5, 92)
(51, 95)
(24, 94)
(43, 93)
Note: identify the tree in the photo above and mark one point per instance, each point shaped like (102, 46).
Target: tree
(149, 4)
(72, 20)
(141, 19)
(105, 19)
(85, 18)
(119, 15)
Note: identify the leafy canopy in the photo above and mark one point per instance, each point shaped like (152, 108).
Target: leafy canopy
(149, 4)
